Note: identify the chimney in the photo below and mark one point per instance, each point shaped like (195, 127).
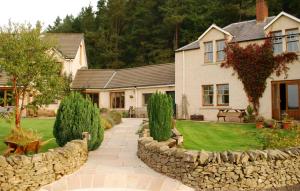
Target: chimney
(262, 11)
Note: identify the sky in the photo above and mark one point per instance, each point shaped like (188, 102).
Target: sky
(21, 11)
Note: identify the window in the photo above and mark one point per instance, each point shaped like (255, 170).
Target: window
(277, 42)
(223, 94)
(292, 41)
(94, 98)
(117, 100)
(146, 98)
(208, 95)
(220, 50)
(208, 55)
(293, 96)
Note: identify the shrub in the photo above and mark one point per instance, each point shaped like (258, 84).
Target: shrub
(116, 117)
(277, 138)
(106, 122)
(160, 112)
(250, 117)
(76, 115)
(104, 110)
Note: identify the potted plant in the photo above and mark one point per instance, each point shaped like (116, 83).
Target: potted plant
(260, 122)
(270, 124)
(287, 122)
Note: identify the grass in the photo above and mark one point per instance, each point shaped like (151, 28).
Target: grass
(43, 126)
(219, 136)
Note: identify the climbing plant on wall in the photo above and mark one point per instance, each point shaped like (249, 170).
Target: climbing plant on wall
(254, 64)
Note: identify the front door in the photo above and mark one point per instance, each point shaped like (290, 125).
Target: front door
(286, 99)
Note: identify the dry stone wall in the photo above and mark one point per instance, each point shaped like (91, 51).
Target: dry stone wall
(20, 172)
(251, 170)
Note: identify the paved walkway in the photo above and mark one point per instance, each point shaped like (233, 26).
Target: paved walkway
(115, 167)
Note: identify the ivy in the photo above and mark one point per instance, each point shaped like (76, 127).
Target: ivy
(254, 64)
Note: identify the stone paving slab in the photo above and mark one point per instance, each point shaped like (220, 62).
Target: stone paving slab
(115, 167)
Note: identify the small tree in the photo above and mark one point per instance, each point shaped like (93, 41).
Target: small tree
(76, 115)
(160, 112)
(33, 69)
(254, 64)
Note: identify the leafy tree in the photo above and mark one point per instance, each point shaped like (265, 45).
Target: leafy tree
(160, 112)
(33, 68)
(131, 33)
(76, 115)
(254, 64)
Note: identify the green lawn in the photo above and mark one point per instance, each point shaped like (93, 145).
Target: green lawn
(43, 126)
(218, 136)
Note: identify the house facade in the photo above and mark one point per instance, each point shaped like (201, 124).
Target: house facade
(203, 87)
(70, 52)
(123, 89)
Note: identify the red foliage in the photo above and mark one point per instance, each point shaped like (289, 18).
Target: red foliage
(254, 64)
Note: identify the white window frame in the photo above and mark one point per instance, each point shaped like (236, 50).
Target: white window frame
(277, 42)
(220, 50)
(292, 38)
(209, 52)
(207, 93)
(221, 93)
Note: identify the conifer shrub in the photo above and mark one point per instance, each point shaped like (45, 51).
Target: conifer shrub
(160, 112)
(76, 115)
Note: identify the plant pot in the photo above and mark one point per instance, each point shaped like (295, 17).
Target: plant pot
(260, 125)
(286, 125)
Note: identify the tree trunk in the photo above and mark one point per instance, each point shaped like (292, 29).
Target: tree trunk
(17, 108)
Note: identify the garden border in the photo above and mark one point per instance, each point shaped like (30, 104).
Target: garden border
(249, 170)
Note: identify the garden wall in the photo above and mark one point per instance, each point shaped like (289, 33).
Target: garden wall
(252, 170)
(22, 172)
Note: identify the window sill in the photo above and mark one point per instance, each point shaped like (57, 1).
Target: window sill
(211, 64)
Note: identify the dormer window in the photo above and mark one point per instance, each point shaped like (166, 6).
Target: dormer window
(209, 52)
(292, 42)
(277, 42)
(220, 50)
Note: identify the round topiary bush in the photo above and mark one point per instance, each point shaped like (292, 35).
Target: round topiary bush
(76, 115)
(115, 116)
(160, 112)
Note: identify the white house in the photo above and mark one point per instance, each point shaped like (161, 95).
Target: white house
(124, 88)
(203, 87)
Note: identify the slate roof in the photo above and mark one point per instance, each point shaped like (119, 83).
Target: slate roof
(241, 31)
(151, 75)
(67, 43)
(248, 30)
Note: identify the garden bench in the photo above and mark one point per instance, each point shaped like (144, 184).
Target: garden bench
(239, 113)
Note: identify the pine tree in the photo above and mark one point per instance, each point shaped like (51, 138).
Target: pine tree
(160, 112)
(76, 115)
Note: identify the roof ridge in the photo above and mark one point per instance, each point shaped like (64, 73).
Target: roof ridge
(247, 21)
(110, 79)
(146, 66)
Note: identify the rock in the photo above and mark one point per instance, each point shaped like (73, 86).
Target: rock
(203, 157)
(224, 156)
(3, 162)
(190, 156)
(244, 158)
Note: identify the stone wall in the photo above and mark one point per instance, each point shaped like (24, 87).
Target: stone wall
(20, 172)
(251, 170)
